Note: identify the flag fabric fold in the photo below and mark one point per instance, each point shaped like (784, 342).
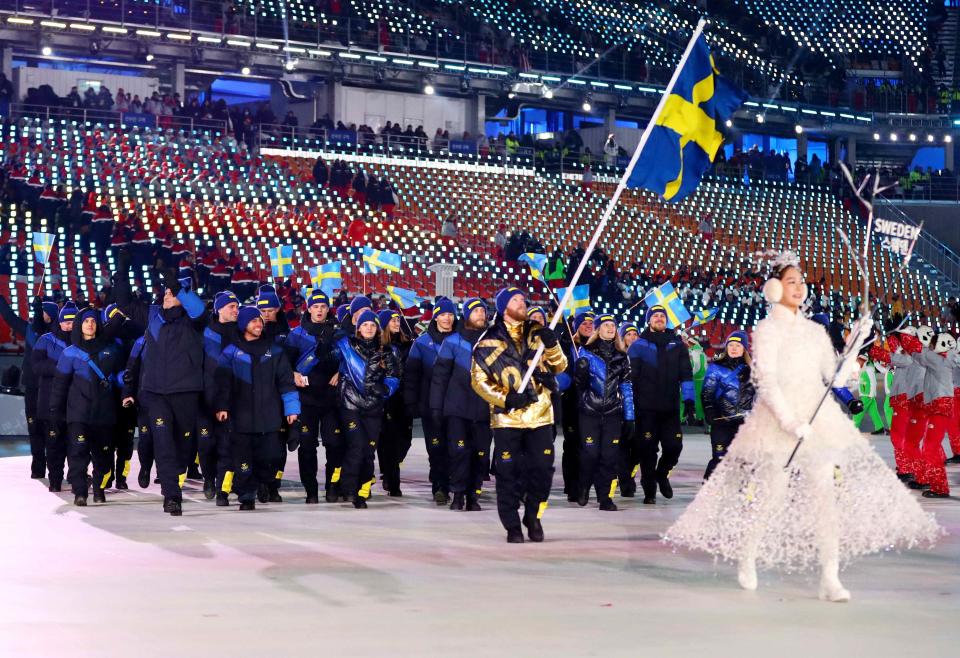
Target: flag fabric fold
(667, 297)
(43, 246)
(537, 263)
(281, 261)
(404, 298)
(326, 277)
(375, 260)
(686, 135)
(704, 316)
(579, 300)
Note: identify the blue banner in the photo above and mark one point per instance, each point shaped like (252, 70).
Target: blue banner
(342, 136)
(138, 120)
(462, 146)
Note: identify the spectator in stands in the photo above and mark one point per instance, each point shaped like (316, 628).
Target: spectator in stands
(320, 172)
(706, 227)
(587, 181)
(290, 123)
(122, 101)
(388, 200)
(449, 228)
(136, 105)
(104, 99)
(500, 241)
(610, 150)
(360, 189)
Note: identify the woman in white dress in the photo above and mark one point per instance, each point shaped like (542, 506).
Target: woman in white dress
(837, 501)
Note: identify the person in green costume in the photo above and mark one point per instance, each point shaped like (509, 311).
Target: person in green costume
(698, 362)
(868, 396)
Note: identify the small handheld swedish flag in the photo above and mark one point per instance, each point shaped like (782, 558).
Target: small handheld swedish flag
(685, 138)
(403, 297)
(537, 263)
(667, 297)
(375, 260)
(579, 300)
(43, 246)
(326, 277)
(281, 261)
(703, 317)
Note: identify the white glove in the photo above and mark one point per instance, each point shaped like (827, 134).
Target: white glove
(798, 428)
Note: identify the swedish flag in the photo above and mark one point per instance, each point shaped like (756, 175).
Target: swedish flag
(579, 300)
(667, 297)
(281, 261)
(403, 297)
(537, 263)
(703, 317)
(327, 278)
(375, 260)
(685, 138)
(43, 246)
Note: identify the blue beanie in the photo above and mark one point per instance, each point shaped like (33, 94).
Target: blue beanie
(342, 312)
(627, 326)
(533, 310)
(224, 298)
(267, 299)
(186, 284)
(580, 317)
(653, 310)
(444, 305)
(739, 336)
(360, 302)
(247, 315)
(51, 309)
(267, 287)
(88, 312)
(472, 303)
(385, 316)
(317, 297)
(109, 312)
(606, 317)
(504, 297)
(67, 313)
(367, 316)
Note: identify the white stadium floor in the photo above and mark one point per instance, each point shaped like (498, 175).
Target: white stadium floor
(406, 578)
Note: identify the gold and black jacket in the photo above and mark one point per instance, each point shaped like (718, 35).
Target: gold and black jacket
(500, 358)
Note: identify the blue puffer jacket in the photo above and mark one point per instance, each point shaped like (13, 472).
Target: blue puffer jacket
(418, 370)
(87, 375)
(602, 375)
(727, 392)
(451, 391)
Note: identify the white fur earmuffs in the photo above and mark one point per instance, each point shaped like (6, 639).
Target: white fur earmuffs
(773, 290)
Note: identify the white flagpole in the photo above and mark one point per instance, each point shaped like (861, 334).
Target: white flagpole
(608, 211)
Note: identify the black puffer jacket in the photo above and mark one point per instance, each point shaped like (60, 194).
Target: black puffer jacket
(661, 372)
(603, 380)
(369, 374)
(451, 389)
(81, 394)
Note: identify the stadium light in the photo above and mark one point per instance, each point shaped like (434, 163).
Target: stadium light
(893, 137)
(947, 138)
(929, 138)
(46, 51)
(728, 123)
(587, 105)
(798, 129)
(760, 118)
(913, 137)
(428, 88)
(547, 93)
(876, 136)
(245, 70)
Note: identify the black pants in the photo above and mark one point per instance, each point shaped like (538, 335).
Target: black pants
(600, 453)
(319, 424)
(396, 435)
(629, 464)
(570, 461)
(144, 439)
(173, 419)
(35, 432)
(122, 445)
(213, 447)
(523, 459)
(721, 436)
(436, 443)
(362, 434)
(658, 430)
(56, 441)
(255, 459)
(468, 443)
(89, 443)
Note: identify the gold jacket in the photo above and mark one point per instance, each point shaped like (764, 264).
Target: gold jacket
(500, 358)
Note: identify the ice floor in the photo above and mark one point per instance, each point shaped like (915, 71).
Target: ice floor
(406, 578)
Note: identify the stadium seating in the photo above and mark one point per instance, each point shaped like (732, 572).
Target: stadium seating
(211, 192)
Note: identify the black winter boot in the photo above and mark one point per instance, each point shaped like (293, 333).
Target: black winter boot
(457, 503)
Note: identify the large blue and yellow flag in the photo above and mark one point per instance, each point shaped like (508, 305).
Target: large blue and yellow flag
(43, 246)
(281, 261)
(375, 260)
(579, 300)
(327, 278)
(404, 298)
(537, 263)
(667, 297)
(685, 138)
(703, 317)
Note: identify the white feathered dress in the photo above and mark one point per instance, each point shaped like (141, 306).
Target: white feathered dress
(838, 501)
